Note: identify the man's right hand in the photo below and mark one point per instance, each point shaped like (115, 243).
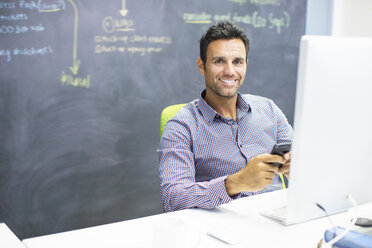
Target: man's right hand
(257, 174)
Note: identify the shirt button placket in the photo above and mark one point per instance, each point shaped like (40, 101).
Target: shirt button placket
(234, 127)
(238, 141)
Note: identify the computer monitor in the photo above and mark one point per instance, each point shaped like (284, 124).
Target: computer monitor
(332, 146)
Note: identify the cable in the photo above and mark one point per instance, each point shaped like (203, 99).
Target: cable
(327, 214)
(347, 229)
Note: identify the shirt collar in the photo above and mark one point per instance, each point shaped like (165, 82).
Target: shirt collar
(242, 108)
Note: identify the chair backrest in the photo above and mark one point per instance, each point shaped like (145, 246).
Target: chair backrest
(171, 110)
(168, 113)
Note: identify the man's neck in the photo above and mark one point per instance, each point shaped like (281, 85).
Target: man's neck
(225, 106)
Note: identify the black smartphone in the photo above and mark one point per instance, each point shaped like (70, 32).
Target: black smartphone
(281, 149)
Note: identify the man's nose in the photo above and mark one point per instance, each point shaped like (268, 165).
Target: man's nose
(229, 69)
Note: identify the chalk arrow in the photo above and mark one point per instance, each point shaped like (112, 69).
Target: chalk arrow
(123, 10)
(75, 62)
(75, 68)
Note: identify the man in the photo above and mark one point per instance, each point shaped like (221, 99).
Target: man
(216, 148)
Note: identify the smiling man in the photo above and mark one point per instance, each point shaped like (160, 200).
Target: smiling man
(216, 148)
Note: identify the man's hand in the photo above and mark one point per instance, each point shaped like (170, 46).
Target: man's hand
(286, 166)
(257, 174)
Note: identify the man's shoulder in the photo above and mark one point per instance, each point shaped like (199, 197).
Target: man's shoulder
(185, 120)
(187, 112)
(256, 100)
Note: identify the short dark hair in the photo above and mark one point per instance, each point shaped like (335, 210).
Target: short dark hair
(223, 30)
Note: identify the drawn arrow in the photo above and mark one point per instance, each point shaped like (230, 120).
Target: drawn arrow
(75, 63)
(123, 10)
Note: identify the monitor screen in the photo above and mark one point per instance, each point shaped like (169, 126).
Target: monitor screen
(332, 146)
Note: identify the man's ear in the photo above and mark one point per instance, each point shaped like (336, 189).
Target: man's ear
(200, 65)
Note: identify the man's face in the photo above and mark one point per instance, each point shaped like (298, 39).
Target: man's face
(225, 68)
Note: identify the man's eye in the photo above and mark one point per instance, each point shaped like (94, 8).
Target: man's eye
(239, 62)
(218, 61)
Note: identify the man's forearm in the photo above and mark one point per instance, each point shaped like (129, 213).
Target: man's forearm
(198, 194)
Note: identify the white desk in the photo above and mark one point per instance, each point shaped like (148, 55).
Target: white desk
(8, 239)
(240, 215)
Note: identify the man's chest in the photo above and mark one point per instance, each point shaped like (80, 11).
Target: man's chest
(227, 147)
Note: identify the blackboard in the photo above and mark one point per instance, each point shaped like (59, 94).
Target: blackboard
(82, 85)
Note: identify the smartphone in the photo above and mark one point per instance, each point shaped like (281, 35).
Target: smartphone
(281, 149)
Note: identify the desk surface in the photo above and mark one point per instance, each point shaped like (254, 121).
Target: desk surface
(8, 239)
(240, 216)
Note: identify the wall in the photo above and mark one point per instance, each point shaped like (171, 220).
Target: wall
(352, 18)
(319, 17)
(339, 17)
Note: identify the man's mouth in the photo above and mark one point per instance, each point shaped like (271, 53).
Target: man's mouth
(227, 81)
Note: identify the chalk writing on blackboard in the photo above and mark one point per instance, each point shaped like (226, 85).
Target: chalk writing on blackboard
(273, 21)
(279, 22)
(71, 80)
(8, 53)
(265, 2)
(197, 18)
(19, 29)
(74, 80)
(11, 26)
(40, 5)
(257, 2)
(75, 62)
(241, 2)
(43, 6)
(111, 24)
(14, 17)
(123, 11)
(7, 5)
(132, 44)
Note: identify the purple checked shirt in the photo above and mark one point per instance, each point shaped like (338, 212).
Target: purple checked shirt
(200, 148)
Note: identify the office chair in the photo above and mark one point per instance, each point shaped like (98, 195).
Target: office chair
(168, 113)
(171, 110)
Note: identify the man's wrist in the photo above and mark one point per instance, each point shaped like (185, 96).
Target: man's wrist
(232, 185)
